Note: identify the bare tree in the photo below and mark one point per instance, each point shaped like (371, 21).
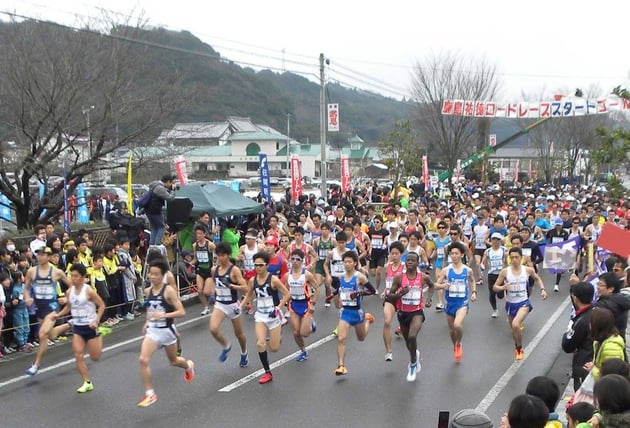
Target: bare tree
(400, 151)
(451, 76)
(74, 96)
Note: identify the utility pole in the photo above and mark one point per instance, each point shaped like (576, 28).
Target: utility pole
(322, 124)
(288, 144)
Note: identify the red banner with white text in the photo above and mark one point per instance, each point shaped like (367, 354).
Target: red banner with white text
(180, 170)
(345, 174)
(296, 179)
(425, 171)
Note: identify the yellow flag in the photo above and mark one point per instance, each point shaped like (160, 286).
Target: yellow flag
(129, 189)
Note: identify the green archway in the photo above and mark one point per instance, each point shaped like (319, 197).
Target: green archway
(252, 149)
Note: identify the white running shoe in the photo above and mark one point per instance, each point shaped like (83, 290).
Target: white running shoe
(389, 356)
(495, 313)
(206, 311)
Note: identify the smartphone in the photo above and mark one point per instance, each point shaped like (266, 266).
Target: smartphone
(443, 419)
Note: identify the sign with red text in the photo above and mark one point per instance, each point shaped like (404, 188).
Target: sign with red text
(333, 117)
(564, 107)
(296, 179)
(345, 174)
(180, 170)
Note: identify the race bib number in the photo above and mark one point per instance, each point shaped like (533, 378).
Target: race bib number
(556, 239)
(377, 242)
(44, 293)
(202, 256)
(440, 252)
(297, 292)
(337, 267)
(412, 298)
(457, 289)
(248, 264)
(527, 252)
(223, 293)
(79, 314)
(388, 283)
(156, 317)
(346, 300)
(265, 304)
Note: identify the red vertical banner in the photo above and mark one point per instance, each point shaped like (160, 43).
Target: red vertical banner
(296, 179)
(425, 171)
(345, 174)
(516, 169)
(180, 169)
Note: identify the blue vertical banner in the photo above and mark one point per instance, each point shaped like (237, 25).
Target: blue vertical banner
(5, 208)
(235, 186)
(83, 214)
(265, 183)
(42, 192)
(66, 211)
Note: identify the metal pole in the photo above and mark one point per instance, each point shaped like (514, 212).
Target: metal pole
(322, 124)
(288, 143)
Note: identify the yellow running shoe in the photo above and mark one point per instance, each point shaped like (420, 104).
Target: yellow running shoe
(86, 387)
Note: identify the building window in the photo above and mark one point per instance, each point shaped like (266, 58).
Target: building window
(252, 149)
(252, 166)
(202, 167)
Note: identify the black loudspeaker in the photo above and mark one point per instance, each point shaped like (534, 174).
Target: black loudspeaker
(178, 213)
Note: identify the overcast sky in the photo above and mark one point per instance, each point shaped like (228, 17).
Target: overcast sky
(539, 46)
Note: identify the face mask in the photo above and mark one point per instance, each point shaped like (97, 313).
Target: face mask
(10, 247)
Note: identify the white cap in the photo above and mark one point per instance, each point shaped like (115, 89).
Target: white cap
(496, 235)
(330, 219)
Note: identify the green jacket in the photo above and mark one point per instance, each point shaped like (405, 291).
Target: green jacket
(232, 237)
(613, 347)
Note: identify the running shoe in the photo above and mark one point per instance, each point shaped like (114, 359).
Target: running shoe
(147, 400)
(341, 370)
(206, 311)
(104, 331)
(224, 353)
(335, 331)
(86, 387)
(389, 356)
(556, 288)
(327, 304)
(313, 325)
(495, 313)
(266, 378)
(412, 371)
(129, 316)
(519, 354)
(119, 317)
(302, 356)
(439, 308)
(51, 342)
(244, 360)
(369, 317)
(27, 347)
(189, 374)
(62, 338)
(250, 309)
(459, 352)
(397, 332)
(32, 370)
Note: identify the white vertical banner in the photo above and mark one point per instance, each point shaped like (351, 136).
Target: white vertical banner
(458, 173)
(180, 170)
(493, 140)
(333, 117)
(502, 171)
(516, 169)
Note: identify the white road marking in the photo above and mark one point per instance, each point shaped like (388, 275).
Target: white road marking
(511, 371)
(71, 361)
(278, 363)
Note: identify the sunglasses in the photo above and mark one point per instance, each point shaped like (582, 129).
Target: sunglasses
(291, 225)
(441, 227)
(296, 259)
(260, 264)
(454, 233)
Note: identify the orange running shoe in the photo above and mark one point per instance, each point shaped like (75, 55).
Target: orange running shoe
(369, 317)
(519, 354)
(459, 352)
(341, 370)
(147, 400)
(189, 374)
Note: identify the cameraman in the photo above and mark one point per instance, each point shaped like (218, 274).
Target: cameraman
(162, 190)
